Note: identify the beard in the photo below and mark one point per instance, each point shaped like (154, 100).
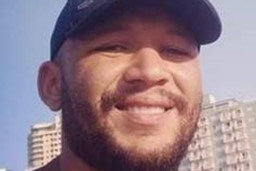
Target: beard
(90, 138)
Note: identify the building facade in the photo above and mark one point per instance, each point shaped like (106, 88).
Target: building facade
(44, 143)
(226, 137)
(3, 169)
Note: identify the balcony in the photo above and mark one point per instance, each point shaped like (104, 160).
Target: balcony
(37, 150)
(230, 148)
(206, 153)
(228, 137)
(235, 167)
(244, 156)
(196, 166)
(247, 166)
(242, 145)
(227, 126)
(240, 135)
(203, 121)
(231, 159)
(37, 156)
(194, 145)
(204, 132)
(238, 113)
(194, 155)
(239, 124)
(208, 164)
(225, 116)
(205, 142)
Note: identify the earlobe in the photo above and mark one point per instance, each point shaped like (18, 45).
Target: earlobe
(49, 85)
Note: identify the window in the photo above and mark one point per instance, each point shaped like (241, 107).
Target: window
(244, 156)
(246, 166)
(226, 126)
(196, 166)
(237, 113)
(228, 137)
(242, 145)
(206, 153)
(196, 135)
(230, 148)
(203, 121)
(238, 124)
(194, 145)
(235, 167)
(225, 116)
(205, 142)
(252, 120)
(231, 159)
(204, 131)
(194, 155)
(240, 135)
(208, 164)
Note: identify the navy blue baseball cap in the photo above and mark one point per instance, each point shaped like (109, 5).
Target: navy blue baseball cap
(199, 15)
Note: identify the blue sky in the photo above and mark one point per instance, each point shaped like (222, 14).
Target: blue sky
(228, 66)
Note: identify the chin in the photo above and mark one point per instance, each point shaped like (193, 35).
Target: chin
(120, 143)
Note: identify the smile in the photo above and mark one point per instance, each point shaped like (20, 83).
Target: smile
(145, 106)
(144, 110)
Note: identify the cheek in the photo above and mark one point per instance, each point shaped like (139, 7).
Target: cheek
(188, 79)
(97, 76)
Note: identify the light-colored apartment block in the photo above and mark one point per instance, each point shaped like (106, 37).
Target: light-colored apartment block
(2, 169)
(226, 137)
(44, 143)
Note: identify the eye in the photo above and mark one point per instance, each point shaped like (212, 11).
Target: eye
(111, 48)
(174, 53)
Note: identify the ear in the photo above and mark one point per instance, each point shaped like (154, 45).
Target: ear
(49, 85)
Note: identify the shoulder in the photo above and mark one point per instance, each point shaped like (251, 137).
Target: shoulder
(52, 166)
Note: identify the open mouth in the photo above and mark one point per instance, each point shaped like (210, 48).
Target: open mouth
(145, 114)
(143, 109)
(147, 110)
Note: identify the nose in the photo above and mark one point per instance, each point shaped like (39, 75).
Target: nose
(147, 68)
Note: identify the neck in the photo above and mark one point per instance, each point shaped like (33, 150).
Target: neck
(68, 161)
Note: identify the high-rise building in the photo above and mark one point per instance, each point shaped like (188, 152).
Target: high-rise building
(44, 143)
(226, 137)
(3, 169)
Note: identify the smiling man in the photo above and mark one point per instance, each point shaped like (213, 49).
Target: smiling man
(126, 76)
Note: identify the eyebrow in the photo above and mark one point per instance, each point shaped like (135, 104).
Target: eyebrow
(183, 33)
(177, 32)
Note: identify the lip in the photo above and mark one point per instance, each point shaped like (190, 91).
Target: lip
(145, 111)
(145, 102)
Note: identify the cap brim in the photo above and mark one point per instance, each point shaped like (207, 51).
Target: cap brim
(199, 16)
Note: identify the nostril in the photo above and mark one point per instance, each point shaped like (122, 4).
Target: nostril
(120, 107)
(162, 81)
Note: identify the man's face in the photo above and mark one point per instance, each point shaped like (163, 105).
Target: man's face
(131, 93)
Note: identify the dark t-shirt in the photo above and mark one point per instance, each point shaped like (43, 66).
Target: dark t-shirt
(52, 166)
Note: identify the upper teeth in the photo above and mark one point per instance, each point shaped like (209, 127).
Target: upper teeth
(146, 109)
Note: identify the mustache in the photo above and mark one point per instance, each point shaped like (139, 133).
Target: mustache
(111, 98)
